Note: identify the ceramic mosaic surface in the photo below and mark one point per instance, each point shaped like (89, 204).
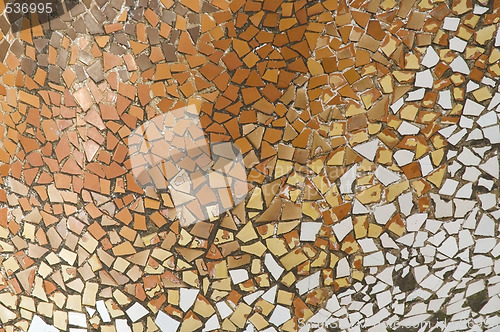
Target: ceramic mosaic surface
(249, 165)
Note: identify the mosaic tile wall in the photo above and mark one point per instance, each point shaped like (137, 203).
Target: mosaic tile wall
(359, 192)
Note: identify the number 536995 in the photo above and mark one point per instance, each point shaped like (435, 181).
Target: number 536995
(25, 8)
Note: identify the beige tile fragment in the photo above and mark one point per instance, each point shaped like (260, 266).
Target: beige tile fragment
(6, 314)
(240, 314)
(370, 195)
(45, 309)
(247, 233)
(257, 248)
(292, 259)
(90, 294)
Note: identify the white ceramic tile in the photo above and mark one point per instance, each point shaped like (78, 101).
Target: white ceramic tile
(273, 267)
(481, 262)
(384, 298)
(484, 245)
(451, 23)
(403, 157)
(387, 242)
(471, 86)
(377, 318)
(463, 207)
(359, 208)
(431, 58)
(497, 39)
(383, 213)
(166, 323)
(457, 44)
(491, 306)
(406, 128)
(475, 134)
(187, 298)
(424, 79)
(443, 208)
(367, 310)
(488, 200)
(37, 324)
(90, 311)
(420, 239)
(460, 66)
(308, 283)
(433, 225)
(481, 151)
(488, 81)
(448, 131)
(342, 268)
(495, 252)
(468, 158)
(252, 297)
(416, 95)
(415, 221)
(375, 259)
(386, 274)
(449, 247)
(444, 99)
(495, 101)
(486, 226)
(461, 270)
(367, 245)
(472, 108)
(449, 187)
(457, 137)
(368, 149)
(438, 238)
(471, 220)
(223, 309)
(495, 214)
(488, 184)
(341, 229)
(487, 119)
(479, 10)
(454, 167)
(308, 230)
(238, 276)
(417, 309)
(212, 324)
(320, 317)
(347, 180)
(419, 293)
(492, 167)
(122, 325)
(270, 294)
(103, 311)
(465, 239)
(136, 312)
(405, 203)
(397, 105)
(407, 239)
(435, 305)
(471, 174)
(492, 134)
(332, 304)
(280, 315)
(77, 319)
(432, 283)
